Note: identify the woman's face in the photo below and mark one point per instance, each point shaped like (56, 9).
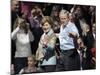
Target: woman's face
(46, 27)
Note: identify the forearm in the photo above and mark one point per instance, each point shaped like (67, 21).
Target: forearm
(13, 34)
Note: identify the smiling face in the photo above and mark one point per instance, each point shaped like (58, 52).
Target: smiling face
(46, 27)
(47, 24)
(64, 17)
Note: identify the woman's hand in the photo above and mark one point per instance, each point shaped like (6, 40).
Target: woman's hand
(45, 41)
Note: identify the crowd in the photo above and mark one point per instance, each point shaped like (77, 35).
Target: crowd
(49, 37)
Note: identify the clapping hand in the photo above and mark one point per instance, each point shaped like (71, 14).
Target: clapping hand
(45, 41)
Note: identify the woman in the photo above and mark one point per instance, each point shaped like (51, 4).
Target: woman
(46, 52)
(22, 37)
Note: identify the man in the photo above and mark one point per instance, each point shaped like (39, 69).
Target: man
(14, 12)
(69, 59)
(90, 39)
(14, 16)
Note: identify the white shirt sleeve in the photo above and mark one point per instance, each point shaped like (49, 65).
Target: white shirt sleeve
(14, 33)
(74, 29)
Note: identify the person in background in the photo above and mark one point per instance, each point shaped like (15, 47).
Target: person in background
(89, 40)
(80, 21)
(55, 17)
(24, 15)
(82, 53)
(31, 68)
(92, 12)
(93, 49)
(46, 9)
(55, 13)
(46, 49)
(93, 60)
(72, 17)
(14, 16)
(35, 26)
(22, 37)
(14, 12)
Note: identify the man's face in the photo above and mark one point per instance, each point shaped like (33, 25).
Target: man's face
(64, 19)
(15, 6)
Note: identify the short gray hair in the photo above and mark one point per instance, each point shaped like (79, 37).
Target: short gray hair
(64, 12)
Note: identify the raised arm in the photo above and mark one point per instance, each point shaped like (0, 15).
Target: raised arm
(14, 33)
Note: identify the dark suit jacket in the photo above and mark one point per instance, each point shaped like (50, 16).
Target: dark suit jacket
(89, 40)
